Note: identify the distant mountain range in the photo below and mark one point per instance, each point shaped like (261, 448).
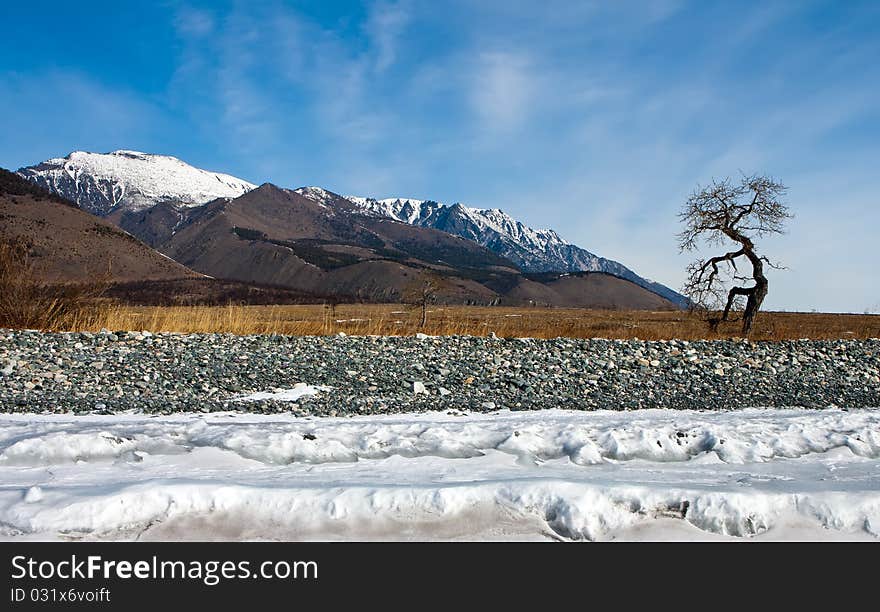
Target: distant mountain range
(321, 242)
(531, 250)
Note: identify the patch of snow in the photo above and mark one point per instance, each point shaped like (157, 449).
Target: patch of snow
(316, 194)
(299, 391)
(33, 495)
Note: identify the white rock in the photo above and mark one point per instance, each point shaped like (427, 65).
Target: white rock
(419, 387)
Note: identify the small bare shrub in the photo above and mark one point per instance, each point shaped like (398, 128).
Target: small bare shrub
(28, 303)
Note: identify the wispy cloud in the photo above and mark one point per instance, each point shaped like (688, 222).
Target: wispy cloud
(193, 22)
(385, 23)
(503, 88)
(276, 72)
(52, 113)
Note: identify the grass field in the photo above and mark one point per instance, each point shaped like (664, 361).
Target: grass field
(397, 319)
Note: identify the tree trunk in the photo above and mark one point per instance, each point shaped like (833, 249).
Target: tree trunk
(759, 291)
(756, 298)
(424, 313)
(735, 291)
(755, 294)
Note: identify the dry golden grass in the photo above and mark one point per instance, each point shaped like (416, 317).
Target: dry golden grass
(26, 302)
(391, 319)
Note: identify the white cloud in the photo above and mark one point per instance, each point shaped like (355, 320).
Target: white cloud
(503, 88)
(384, 25)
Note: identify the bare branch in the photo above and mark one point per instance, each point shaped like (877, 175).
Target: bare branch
(770, 264)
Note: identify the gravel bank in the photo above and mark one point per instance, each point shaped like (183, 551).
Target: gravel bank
(164, 373)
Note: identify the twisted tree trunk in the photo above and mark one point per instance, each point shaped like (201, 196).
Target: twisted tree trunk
(754, 295)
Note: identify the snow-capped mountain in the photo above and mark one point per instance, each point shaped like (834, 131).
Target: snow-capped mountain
(532, 250)
(131, 180)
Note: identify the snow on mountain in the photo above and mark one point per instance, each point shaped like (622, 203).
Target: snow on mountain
(131, 180)
(481, 225)
(532, 250)
(316, 194)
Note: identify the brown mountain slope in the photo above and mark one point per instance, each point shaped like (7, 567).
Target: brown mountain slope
(153, 226)
(70, 245)
(277, 237)
(584, 290)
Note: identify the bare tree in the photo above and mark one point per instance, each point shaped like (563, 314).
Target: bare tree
(424, 291)
(330, 304)
(740, 212)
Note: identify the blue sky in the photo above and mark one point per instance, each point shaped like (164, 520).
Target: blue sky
(594, 118)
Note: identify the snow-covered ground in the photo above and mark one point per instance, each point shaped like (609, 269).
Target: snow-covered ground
(653, 474)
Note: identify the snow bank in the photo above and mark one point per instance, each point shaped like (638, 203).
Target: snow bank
(584, 438)
(553, 474)
(63, 447)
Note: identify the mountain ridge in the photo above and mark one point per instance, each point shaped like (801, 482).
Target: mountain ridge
(124, 185)
(534, 251)
(278, 237)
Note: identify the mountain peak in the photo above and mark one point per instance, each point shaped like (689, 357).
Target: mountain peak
(130, 180)
(318, 194)
(133, 153)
